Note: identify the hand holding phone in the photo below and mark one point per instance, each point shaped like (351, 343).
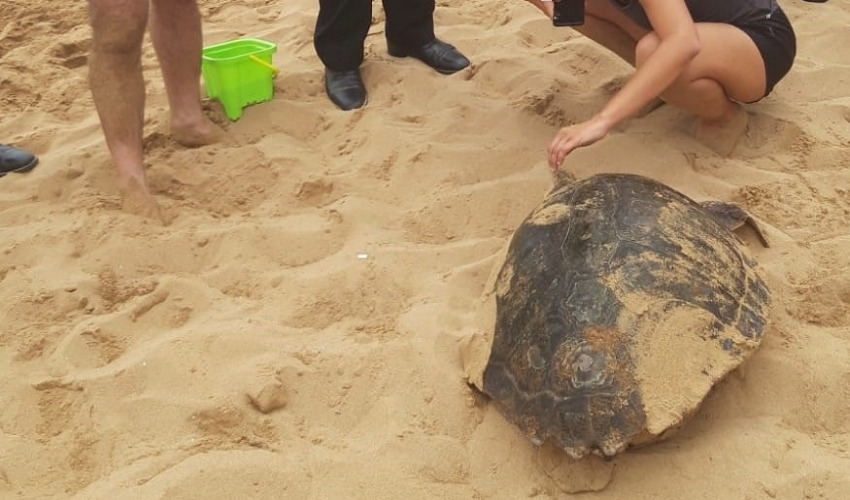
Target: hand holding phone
(568, 13)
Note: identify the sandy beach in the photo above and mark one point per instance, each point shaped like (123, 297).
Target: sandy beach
(294, 333)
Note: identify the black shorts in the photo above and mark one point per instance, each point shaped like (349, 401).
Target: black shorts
(775, 40)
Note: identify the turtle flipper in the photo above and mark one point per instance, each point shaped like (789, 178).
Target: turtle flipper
(732, 217)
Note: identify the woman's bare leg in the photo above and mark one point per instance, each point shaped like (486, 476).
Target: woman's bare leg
(611, 28)
(728, 70)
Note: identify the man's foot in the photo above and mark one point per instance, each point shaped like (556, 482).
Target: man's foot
(137, 200)
(723, 135)
(195, 134)
(16, 160)
(439, 55)
(345, 88)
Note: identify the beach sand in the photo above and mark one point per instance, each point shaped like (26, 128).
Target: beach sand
(295, 331)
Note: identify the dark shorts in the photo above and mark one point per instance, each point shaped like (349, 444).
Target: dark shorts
(777, 44)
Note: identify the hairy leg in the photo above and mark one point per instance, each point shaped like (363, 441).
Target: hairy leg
(176, 36)
(115, 74)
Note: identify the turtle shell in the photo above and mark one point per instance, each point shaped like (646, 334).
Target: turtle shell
(619, 304)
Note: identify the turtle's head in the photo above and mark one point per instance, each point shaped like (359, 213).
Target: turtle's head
(561, 178)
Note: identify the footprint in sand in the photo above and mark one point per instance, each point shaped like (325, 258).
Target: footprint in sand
(822, 296)
(126, 315)
(824, 398)
(286, 242)
(810, 207)
(58, 406)
(724, 138)
(72, 55)
(38, 321)
(487, 214)
(298, 121)
(216, 180)
(227, 425)
(545, 106)
(114, 291)
(372, 299)
(539, 33)
(316, 192)
(769, 136)
(91, 348)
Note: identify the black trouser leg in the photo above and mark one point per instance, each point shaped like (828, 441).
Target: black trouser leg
(341, 29)
(409, 22)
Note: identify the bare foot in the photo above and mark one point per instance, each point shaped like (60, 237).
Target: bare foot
(195, 135)
(722, 135)
(139, 201)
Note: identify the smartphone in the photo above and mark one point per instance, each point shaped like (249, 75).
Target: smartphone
(568, 13)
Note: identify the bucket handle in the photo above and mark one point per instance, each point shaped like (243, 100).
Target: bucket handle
(259, 61)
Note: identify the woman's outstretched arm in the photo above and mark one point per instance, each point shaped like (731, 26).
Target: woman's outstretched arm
(678, 44)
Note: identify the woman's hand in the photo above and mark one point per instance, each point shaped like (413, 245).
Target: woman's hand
(576, 136)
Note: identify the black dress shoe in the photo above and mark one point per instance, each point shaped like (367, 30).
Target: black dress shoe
(439, 55)
(15, 160)
(345, 88)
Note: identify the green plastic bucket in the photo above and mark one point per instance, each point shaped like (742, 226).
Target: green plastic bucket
(235, 75)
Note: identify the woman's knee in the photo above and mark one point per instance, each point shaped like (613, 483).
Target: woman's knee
(645, 47)
(118, 25)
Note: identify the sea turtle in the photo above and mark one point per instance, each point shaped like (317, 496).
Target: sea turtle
(618, 304)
